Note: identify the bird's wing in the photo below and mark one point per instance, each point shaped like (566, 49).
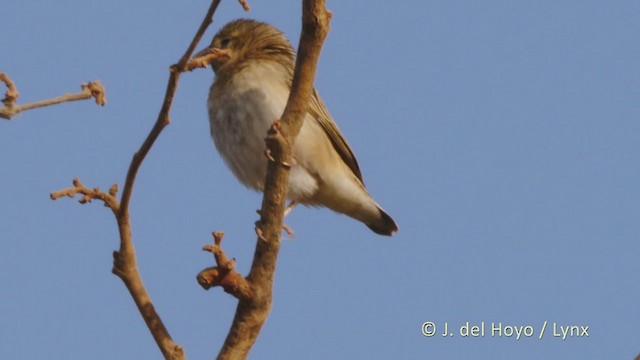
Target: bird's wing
(319, 112)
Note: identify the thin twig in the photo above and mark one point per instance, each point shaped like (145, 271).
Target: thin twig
(245, 5)
(163, 116)
(12, 94)
(91, 90)
(203, 59)
(252, 312)
(109, 198)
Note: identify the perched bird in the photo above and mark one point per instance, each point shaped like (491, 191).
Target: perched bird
(253, 64)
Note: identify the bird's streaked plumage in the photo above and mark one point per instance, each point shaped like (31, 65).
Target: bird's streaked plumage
(254, 69)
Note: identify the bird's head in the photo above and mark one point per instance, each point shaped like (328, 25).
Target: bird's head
(243, 40)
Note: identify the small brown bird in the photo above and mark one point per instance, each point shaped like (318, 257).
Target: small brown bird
(253, 63)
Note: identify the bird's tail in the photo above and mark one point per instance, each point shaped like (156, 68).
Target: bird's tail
(384, 225)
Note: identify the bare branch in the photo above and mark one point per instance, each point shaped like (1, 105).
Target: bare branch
(245, 5)
(163, 116)
(124, 260)
(91, 90)
(224, 274)
(124, 264)
(12, 94)
(252, 312)
(109, 198)
(315, 27)
(203, 59)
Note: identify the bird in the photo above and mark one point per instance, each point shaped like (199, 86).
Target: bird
(253, 64)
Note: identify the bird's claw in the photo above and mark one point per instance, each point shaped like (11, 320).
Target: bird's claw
(286, 164)
(267, 153)
(289, 231)
(259, 232)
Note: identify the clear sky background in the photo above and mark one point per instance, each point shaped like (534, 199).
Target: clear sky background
(503, 136)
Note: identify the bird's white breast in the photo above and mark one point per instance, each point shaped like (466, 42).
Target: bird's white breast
(241, 111)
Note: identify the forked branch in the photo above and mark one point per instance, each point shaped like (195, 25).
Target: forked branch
(10, 109)
(224, 273)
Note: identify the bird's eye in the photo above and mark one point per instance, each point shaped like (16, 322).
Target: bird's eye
(224, 42)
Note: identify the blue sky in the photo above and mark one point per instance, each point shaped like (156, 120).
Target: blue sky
(503, 137)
